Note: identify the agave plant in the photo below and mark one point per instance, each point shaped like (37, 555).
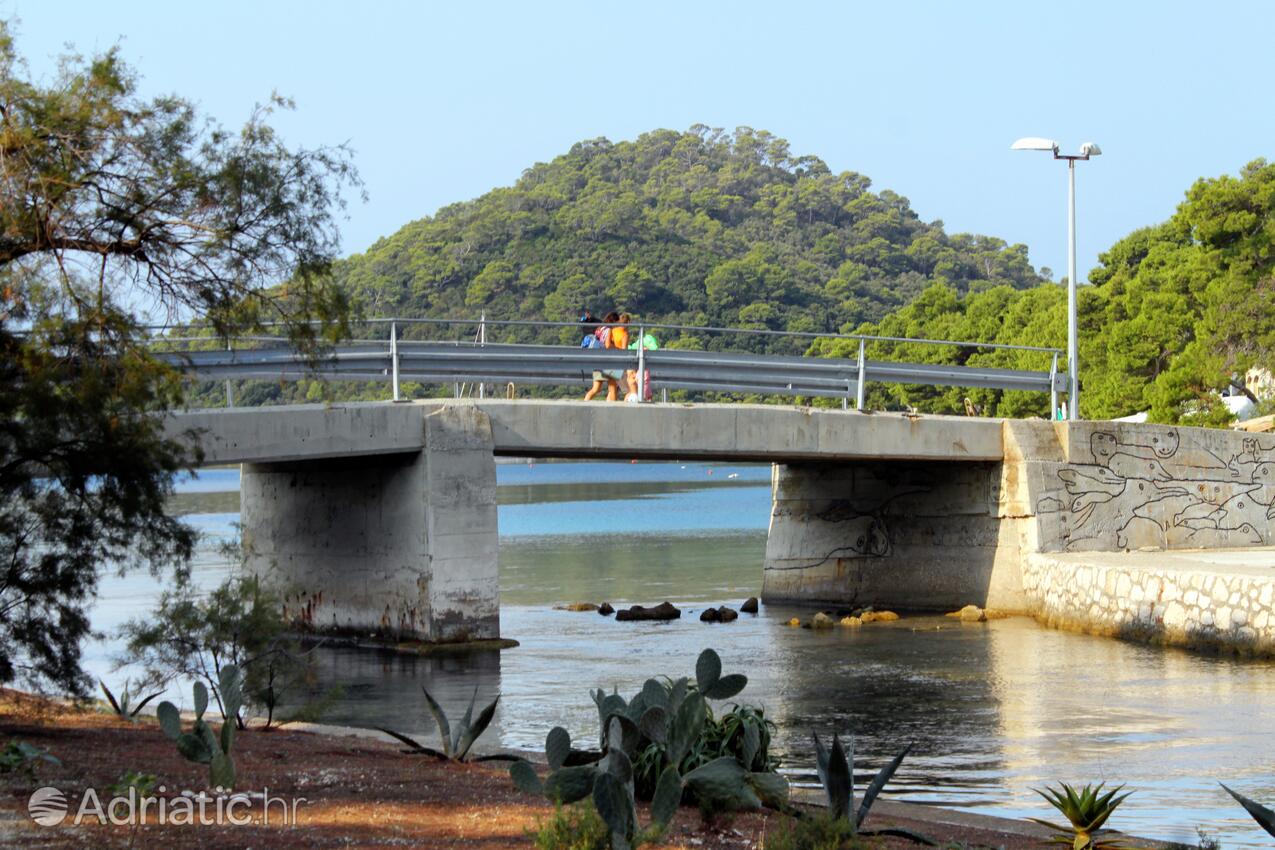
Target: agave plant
(456, 742)
(124, 706)
(836, 771)
(1265, 817)
(1086, 811)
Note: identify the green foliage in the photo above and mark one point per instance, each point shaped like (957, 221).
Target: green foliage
(19, 755)
(133, 783)
(836, 773)
(645, 744)
(109, 199)
(200, 744)
(1265, 817)
(456, 742)
(240, 622)
(124, 706)
(1175, 312)
(813, 833)
(572, 828)
(1086, 811)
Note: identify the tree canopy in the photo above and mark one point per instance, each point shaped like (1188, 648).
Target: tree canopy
(111, 204)
(702, 227)
(1174, 313)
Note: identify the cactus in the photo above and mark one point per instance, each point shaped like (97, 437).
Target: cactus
(1086, 810)
(608, 781)
(200, 744)
(660, 726)
(456, 742)
(1265, 817)
(836, 773)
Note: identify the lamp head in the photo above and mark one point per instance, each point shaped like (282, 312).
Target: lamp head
(1090, 149)
(1035, 143)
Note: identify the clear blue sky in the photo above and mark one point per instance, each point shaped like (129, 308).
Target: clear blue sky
(445, 101)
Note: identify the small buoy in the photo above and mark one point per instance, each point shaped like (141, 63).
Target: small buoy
(794, 622)
(710, 472)
(633, 461)
(733, 475)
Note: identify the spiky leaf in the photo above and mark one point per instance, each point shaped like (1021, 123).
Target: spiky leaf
(221, 771)
(557, 747)
(464, 724)
(668, 796)
(839, 784)
(570, 784)
(727, 686)
(115, 706)
(882, 777)
(170, 720)
(440, 720)
(752, 743)
(708, 669)
(525, 779)
(1265, 817)
(476, 729)
(138, 708)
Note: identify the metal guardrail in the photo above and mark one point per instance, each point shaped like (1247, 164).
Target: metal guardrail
(481, 363)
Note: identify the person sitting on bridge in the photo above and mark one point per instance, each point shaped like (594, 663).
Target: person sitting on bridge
(604, 334)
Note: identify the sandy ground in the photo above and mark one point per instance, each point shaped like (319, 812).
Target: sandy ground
(357, 792)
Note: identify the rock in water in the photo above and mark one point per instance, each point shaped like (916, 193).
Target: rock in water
(851, 621)
(710, 615)
(822, 621)
(749, 606)
(727, 615)
(664, 611)
(878, 616)
(970, 614)
(794, 622)
(577, 606)
(605, 609)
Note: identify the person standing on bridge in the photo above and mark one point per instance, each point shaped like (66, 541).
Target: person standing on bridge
(606, 335)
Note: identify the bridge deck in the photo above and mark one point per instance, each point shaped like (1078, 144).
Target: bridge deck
(576, 429)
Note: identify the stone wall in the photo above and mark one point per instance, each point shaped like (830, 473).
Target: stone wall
(1191, 601)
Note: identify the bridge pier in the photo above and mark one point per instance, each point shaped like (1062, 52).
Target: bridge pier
(402, 546)
(891, 534)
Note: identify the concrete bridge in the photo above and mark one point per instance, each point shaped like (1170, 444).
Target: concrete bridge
(381, 517)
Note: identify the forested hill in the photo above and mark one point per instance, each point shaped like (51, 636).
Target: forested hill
(700, 228)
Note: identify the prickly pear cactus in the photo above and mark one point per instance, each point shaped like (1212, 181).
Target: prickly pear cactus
(200, 745)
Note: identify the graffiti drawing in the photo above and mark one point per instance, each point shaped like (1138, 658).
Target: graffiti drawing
(1147, 489)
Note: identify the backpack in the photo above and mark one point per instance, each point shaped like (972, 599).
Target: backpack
(590, 341)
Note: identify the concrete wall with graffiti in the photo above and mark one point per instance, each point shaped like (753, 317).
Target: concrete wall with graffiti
(1130, 486)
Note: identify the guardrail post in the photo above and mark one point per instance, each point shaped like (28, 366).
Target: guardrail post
(482, 340)
(863, 378)
(230, 395)
(1053, 388)
(394, 357)
(641, 370)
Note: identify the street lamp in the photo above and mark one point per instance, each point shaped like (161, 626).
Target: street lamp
(1088, 149)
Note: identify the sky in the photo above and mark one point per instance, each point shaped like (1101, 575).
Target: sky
(442, 102)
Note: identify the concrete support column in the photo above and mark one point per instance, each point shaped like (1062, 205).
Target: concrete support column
(398, 546)
(903, 535)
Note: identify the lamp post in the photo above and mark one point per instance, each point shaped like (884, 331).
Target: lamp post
(1088, 149)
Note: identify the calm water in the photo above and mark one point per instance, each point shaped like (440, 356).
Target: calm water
(994, 709)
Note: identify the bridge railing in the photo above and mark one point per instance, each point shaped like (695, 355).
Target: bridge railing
(383, 351)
